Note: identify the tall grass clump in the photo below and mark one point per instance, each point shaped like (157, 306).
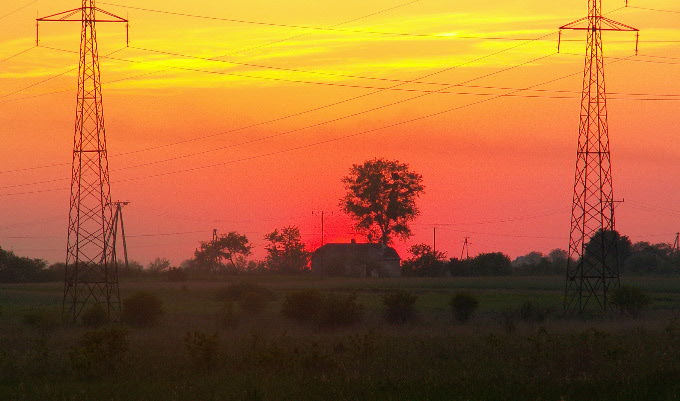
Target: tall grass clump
(143, 309)
(463, 305)
(203, 350)
(400, 306)
(99, 352)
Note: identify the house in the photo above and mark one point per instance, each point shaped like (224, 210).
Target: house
(356, 260)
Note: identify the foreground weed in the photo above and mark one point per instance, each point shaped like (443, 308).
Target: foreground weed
(203, 350)
(99, 352)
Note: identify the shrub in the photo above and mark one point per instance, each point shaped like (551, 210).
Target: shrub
(41, 319)
(463, 305)
(94, 316)
(339, 311)
(235, 291)
(176, 274)
(629, 300)
(99, 352)
(400, 306)
(227, 318)
(203, 350)
(532, 312)
(253, 302)
(302, 306)
(142, 309)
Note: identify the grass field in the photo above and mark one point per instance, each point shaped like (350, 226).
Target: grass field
(191, 354)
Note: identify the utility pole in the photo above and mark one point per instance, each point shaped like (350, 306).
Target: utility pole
(116, 222)
(322, 214)
(91, 269)
(676, 244)
(434, 239)
(593, 265)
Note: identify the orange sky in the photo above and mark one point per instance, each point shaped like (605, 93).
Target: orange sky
(248, 127)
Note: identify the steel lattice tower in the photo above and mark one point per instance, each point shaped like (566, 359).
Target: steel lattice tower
(91, 267)
(593, 266)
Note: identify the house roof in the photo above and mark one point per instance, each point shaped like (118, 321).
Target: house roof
(387, 251)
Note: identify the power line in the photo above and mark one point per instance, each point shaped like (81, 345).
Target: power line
(277, 152)
(18, 9)
(334, 103)
(317, 28)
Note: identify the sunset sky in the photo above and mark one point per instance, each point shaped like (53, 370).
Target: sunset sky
(244, 116)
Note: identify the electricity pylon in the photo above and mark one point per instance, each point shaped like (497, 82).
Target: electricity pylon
(676, 243)
(593, 266)
(116, 222)
(91, 267)
(466, 249)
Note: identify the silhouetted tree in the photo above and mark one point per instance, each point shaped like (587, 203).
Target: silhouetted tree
(381, 198)
(159, 265)
(286, 253)
(17, 269)
(226, 246)
(615, 246)
(424, 261)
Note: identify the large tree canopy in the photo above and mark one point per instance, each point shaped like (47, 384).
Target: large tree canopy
(210, 254)
(381, 198)
(286, 253)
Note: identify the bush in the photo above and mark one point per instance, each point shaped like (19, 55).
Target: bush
(302, 306)
(176, 274)
(142, 309)
(235, 291)
(253, 302)
(628, 300)
(337, 311)
(94, 316)
(463, 305)
(532, 312)
(41, 319)
(99, 352)
(227, 318)
(400, 306)
(326, 311)
(203, 350)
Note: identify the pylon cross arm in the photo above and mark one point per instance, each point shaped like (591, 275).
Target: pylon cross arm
(607, 24)
(68, 16)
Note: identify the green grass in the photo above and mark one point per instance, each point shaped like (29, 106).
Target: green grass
(266, 357)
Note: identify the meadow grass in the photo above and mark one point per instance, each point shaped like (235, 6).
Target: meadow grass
(267, 357)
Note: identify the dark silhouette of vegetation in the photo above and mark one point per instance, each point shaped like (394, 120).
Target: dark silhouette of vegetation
(100, 352)
(177, 274)
(302, 306)
(381, 199)
(324, 310)
(484, 264)
(424, 261)
(400, 307)
(94, 316)
(159, 265)
(142, 309)
(629, 300)
(203, 350)
(286, 253)
(463, 305)
(17, 269)
(210, 254)
(235, 291)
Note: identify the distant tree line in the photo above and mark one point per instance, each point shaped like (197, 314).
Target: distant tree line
(640, 258)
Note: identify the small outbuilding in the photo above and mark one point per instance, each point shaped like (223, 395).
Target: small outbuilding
(356, 260)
